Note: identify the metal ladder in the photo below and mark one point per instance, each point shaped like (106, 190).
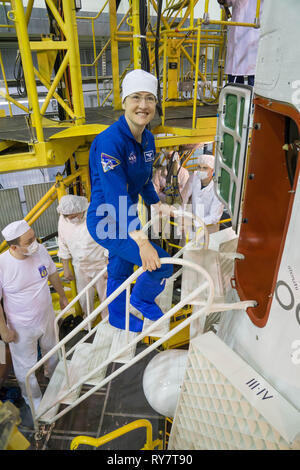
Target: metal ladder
(89, 361)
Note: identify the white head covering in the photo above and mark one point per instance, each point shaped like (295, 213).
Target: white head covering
(71, 204)
(207, 160)
(15, 230)
(139, 80)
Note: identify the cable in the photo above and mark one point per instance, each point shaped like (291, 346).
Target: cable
(19, 76)
(145, 62)
(156, 50)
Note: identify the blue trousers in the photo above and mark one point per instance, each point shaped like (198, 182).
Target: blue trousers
(122, 259)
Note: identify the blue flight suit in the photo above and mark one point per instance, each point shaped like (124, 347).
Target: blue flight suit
(120, 171)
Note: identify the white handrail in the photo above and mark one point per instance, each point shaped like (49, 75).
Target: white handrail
(179, 213)
(199, 269)
(60, 346)
(186, 322)
(103, 271)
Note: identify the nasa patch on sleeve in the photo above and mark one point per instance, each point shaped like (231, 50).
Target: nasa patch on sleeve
(108, 162)
(149, 156)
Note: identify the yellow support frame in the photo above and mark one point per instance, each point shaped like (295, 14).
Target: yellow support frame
(140, 423)
(71, 60)
(75, 134)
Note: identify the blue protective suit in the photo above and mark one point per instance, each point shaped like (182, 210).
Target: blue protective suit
(120, 171)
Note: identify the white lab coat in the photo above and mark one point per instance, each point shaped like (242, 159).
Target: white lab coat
(242, 42)
(29, 312)
(88, 258)
(205, 203)
(24, 354)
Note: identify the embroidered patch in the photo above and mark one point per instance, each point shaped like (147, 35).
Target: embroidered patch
(108, 162)
(149, 156)
(43, 271)
(132, 158)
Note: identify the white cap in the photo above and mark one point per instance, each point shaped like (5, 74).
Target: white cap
(71, 204)
(139, 80)
(207, 160)
(15, 230)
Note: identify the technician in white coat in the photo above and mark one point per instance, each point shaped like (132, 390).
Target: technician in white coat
(242, 42)
(25, 269)
(76, 244)
(200, 190)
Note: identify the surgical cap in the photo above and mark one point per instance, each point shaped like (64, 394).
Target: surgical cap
(205, 159)
(139, 80)
(15, 230)
(71, 204)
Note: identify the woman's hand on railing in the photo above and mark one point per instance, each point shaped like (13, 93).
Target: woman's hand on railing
(149, 256)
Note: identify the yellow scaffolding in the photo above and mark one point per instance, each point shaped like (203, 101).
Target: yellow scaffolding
(178, 45)
(177, 39)
(140, 423)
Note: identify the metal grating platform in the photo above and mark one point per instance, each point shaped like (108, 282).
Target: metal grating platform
(225, 404)
(17, 129)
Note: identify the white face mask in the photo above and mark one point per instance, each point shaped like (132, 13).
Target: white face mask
(32, 248)
(76, 220)
(203, 174)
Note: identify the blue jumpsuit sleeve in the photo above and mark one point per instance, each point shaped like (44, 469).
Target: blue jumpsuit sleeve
(148, 192)
(113, 182)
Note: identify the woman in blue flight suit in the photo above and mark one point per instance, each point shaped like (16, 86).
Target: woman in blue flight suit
(121, 159)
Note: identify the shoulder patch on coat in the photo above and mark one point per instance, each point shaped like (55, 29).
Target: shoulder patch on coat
(149, 156)
(108, 162)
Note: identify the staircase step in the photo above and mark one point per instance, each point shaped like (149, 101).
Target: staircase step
(100, 351)
(79, 366)
(51, 393)
(119, 341)
(160, 330)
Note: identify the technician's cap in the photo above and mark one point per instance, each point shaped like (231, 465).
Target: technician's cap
(139, 80)
(15, 230)
(207, 160)
(71, 204)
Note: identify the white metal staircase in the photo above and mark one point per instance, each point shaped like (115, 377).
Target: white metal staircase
(86, 362)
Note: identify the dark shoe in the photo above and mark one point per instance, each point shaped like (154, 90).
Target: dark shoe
(26, 416)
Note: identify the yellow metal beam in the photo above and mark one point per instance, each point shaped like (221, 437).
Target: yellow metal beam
(41, 155)
(136, 34)
(13, 101)
(196, 72)
(114, 54)
(47, 84)
(5, 144)
(5, 82)
(150, 444)
(24, 46)
(55, 82)
(48, 45)
(74, 60)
